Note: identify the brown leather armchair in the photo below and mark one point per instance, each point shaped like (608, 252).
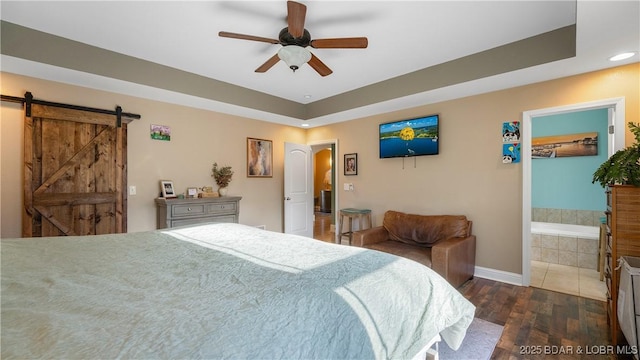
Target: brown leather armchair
(441, 242)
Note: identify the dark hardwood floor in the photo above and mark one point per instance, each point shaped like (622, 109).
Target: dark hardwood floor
(538, 323)
(542, 324)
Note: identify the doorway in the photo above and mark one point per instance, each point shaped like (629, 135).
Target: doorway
(615, 107)
(325, 195)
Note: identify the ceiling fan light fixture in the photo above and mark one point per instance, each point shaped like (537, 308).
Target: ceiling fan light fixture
(295, 56)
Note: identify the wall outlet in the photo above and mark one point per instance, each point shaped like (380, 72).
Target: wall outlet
(132, 190)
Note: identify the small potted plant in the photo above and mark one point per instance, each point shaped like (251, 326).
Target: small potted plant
(623, 167)
(222, 176)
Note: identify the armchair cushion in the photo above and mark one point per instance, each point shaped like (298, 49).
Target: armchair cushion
(424, 230)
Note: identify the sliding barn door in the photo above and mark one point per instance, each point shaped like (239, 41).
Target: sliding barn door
(75, 172)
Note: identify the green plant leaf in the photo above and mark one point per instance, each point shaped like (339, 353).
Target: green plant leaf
(623, 167)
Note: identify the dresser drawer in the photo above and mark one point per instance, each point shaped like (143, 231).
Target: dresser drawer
(187, 221)
(228, 207)
(224, 219)
(206, 219)
(182, 212)
(188, 210)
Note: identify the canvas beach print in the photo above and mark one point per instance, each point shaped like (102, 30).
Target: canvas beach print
(582, 144)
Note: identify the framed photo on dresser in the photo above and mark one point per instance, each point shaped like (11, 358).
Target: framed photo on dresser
(168, 191)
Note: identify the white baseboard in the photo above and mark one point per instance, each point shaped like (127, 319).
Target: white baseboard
(498, 275)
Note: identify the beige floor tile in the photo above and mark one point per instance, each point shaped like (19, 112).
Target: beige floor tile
(537, 277)
(593, 289)
(564, 270)
(564, 284)
(591, 286)
(539, 265)
(538, 271)
(568, 280)
(589, 274)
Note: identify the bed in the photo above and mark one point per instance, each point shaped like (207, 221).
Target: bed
(220, 291)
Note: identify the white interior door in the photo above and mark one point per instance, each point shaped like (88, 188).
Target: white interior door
(298, 189)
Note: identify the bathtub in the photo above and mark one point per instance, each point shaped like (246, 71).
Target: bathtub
(565, 244)
(579, 231)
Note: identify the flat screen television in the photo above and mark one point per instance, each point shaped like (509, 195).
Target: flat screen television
(410, 137)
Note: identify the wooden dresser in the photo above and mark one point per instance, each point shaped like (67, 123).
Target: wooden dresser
(623, 239)
(180, 212)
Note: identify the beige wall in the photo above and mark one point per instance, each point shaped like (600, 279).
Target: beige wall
(467, 177)
(198, 138)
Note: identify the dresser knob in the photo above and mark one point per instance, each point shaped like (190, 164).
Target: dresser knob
(188, 209)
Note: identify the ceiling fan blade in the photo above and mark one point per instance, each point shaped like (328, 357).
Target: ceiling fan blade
(319, 66)
(296, 13)
(268, 64)
(247, 37)
(340, 43)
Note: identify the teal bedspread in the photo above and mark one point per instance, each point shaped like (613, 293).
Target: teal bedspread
(219, 291)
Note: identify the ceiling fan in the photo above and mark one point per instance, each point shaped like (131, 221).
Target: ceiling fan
(295, 38)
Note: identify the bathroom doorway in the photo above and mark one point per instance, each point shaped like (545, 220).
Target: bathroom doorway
(615, 120)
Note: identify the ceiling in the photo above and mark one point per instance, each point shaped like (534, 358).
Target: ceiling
(419, 52)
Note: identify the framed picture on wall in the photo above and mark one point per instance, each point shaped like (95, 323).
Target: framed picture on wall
(351, 164)
(168, 191)
(259, 158)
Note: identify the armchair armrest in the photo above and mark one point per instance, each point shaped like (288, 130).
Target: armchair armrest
(455, 259)
(369, 236)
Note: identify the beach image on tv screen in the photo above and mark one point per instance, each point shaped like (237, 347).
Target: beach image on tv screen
(411, 137)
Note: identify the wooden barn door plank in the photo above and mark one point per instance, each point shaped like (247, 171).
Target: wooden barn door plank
(28, 211)
(104, 171)
(78, 116)
(121, 178)
(84, 214)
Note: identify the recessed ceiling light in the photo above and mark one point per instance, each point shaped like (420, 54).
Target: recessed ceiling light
(307, 96)
(305, 125)
(622, 56)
